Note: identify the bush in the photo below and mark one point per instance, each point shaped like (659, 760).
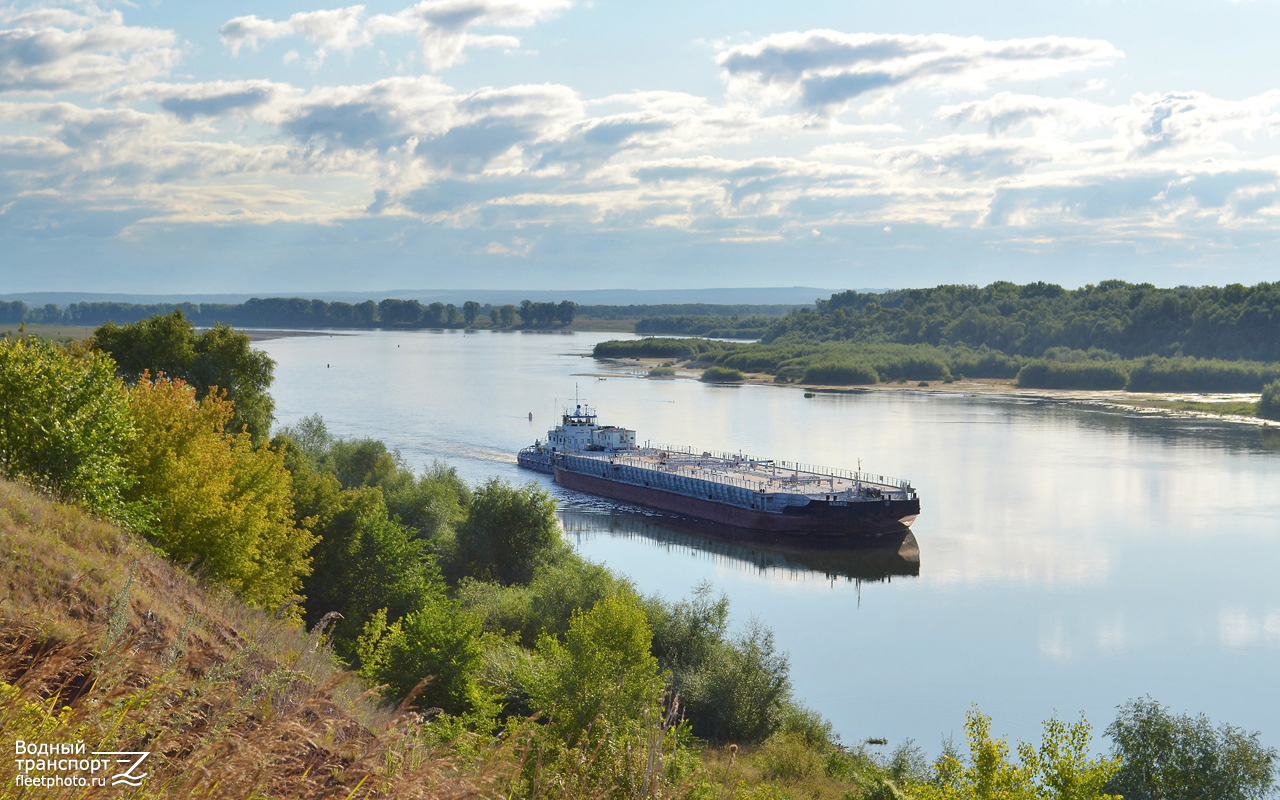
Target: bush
(739, 693)
(603, 672)
(438, 643)
(1269, 405)
(1200, 375)
(1167, 757)
(1060, 767)
(718, 374)
(508, 533)
(1073, 375)
(558, 590)
(840, 374)
(64, 423)
(788, 758)
(365, 562)
(651, 348)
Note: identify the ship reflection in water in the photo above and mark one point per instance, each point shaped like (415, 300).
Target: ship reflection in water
(862, 558)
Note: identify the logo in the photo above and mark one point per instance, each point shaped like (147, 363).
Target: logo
(59, 765)
(134, 759)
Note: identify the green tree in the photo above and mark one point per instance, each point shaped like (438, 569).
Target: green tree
(566, 311)
(438, 643)
(470, 310)
(214, 498)
(603, 675)
(364, 562)
(507, 314)
(218, 358)
(1269, 405)
(508, 533)
(65, 422)
(1168, 757)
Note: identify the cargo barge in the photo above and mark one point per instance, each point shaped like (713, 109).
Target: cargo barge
(730, 489)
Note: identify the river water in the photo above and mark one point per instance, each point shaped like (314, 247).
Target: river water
(1069, 558)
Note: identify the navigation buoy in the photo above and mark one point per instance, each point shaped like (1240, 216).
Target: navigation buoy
(531, 416)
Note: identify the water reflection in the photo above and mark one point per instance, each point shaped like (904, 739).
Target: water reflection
(878, 558)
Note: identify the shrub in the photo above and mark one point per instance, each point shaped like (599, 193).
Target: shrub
(1200, 375)
(1183, 757)
(788, 758)
(365, 562)
(604, 671)
(840, 374)
(1073, 375)
(739, 692)
(64, 422)
(718, 374)
(546, 605)
(651, 348)
(1269, 405)
(439, 643)
(661, 372)
(1060, 767)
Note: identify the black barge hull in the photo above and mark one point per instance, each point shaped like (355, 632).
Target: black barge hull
(818, 517)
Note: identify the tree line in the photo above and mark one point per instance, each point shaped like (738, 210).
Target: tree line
(296, 312)
(1129, 320)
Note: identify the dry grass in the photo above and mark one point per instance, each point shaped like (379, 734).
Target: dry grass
(109, 644)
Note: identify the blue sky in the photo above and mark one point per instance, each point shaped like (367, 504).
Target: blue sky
(291, 147)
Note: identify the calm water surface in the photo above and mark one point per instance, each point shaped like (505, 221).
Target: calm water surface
(1069, 558)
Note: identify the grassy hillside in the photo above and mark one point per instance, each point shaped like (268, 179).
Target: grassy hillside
(107, 643)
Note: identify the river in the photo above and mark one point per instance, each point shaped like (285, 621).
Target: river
(1069, 557)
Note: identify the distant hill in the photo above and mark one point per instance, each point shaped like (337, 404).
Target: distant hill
(756, 295)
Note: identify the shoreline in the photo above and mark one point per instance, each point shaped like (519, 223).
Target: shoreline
(1149, 403)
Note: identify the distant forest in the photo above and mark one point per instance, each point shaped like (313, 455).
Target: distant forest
(741, 320)
(1110, 336)
(296, 312)
(1129, 320)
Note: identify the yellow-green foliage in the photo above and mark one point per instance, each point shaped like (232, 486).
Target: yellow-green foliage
(1060, 769)
(215, 499)
(788, 757)
(438, 643)
(603, 673)
(64, 422)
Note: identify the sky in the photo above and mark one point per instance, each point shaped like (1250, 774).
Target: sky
(550, 144)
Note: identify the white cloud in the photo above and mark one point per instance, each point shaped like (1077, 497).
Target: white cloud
(444, 28)
(821, 71)
(213, 99)
(48, 50)
(1005, 111)
(1165, 199)
(1195, 120)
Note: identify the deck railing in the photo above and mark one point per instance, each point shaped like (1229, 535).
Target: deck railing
(791, 466)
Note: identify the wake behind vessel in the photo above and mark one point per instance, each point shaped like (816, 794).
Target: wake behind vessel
(757, 494)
